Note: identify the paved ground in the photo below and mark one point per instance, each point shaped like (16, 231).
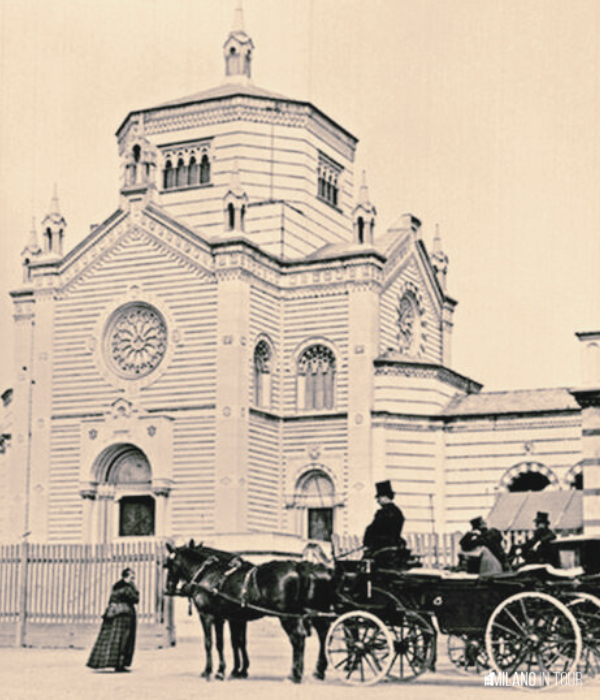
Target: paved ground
(173, 674)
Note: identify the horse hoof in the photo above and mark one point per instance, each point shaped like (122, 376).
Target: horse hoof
(205, 674)
(319, 675)
(294, 679)
(219, 676)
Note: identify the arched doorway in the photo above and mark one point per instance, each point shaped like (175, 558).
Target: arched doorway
(124, 503)
(314, 496)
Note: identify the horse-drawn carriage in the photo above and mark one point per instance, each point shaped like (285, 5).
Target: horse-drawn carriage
(540, 619)
(377, 619)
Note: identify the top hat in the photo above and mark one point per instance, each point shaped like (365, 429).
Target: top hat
(384, 488)
(477, 522)
(542, 518)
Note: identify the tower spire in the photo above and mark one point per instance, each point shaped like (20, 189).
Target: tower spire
(33, 244)
(238, 19)
(53, 227)
(237, 50)
(54, 207)
(364, 214)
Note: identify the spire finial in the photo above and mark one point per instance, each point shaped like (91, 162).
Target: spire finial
(54, 207)
(363, 192)
(33, 239)
(238, 19)
(437, 240)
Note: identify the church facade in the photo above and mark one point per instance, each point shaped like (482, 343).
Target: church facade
(239, 352)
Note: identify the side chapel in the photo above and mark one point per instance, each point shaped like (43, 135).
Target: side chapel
(240, 351)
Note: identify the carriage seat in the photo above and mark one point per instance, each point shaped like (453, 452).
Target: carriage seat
(573, 572)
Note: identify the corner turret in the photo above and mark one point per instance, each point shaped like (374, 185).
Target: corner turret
(237, 51)
(53, 230)
(364, 215)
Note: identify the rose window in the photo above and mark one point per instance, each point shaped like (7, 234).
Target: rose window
(136, 340)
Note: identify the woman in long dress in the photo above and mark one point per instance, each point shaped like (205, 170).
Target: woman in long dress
(116, 641)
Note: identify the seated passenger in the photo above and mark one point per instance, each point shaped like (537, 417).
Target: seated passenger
(386, 528)
(537, 549)
(484, 544)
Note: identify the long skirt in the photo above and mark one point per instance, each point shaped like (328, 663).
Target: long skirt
(115, 643)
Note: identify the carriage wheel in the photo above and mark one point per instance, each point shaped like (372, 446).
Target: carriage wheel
(467, 653)
(414, 647)
(360, 648)
(586, 608)
(533, 633)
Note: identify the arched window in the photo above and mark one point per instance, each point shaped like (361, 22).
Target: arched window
(193, 172)
(242, 218)
(316, 378)
(361, 229)
(168, 175)
(528, 476)
(230, 216)
(181, 178)
(262, 374)
(315, 493)
(132, 168)
(574, 477)
(528, 481)
(233, 62)
(204, 170)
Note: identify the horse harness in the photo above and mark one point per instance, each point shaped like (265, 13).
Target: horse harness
(249, 579)
(235, 565)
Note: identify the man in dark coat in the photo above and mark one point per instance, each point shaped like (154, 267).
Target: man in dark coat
(485, 543)
(537, 549)
(386, 528)
(116, 641)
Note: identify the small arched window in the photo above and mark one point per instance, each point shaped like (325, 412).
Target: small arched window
(242, 218)
(230, 216)
(168, 175)
(316, 378)
(262, 374)
(193, 172)
(204, 170)
(181, 178)
(137, 152)
(361, 229)
(233, 62)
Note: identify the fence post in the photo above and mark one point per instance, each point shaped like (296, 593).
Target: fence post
(21, 637)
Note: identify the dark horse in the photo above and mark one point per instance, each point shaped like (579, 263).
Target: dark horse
(229, 588)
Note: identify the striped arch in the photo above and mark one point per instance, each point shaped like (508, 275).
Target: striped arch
(524, 468)
(574, 477)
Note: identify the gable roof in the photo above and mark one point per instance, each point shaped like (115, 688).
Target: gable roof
(503, 402)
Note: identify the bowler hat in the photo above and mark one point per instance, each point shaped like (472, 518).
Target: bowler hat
(542, 518)
(384, 488)
(477, 522)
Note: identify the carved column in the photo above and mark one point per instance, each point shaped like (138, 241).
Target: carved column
(161, 494)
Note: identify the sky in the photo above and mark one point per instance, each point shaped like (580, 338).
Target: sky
(481, 116)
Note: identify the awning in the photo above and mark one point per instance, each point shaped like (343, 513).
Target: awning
(517, 511)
